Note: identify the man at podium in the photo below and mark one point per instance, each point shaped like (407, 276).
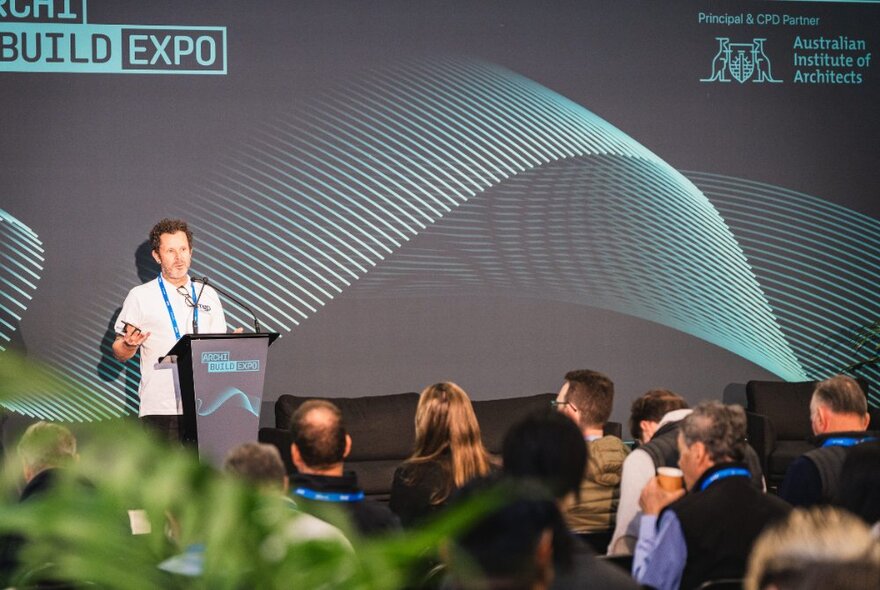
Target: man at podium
(154, 317)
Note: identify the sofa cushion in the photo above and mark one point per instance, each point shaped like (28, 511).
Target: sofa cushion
(496, 416)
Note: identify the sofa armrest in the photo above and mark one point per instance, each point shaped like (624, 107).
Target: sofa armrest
(281, 440)
(761, 435)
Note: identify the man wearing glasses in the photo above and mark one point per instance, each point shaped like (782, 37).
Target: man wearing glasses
(154, 317)
(587, 398)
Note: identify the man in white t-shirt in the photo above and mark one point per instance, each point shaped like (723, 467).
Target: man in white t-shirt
(154, 317)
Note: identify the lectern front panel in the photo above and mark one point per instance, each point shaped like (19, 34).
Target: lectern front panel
(228, 376)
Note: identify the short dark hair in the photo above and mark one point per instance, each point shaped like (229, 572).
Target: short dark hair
(842, 394)
(721, 428)
(652, 406)
(546, 446)
(321, 443)
(592, 393)
(257, 463)
(169, 226)
(502, 541)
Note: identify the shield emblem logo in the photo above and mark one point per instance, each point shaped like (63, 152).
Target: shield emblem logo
(742, 61)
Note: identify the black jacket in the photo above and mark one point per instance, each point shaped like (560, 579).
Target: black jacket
(368, 516)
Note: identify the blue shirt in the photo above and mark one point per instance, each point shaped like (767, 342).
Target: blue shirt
(661, 552)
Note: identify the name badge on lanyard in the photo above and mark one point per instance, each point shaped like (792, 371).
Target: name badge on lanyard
(171, 310)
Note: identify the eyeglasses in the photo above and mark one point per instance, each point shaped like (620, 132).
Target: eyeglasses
(187, 297)
(556, 403)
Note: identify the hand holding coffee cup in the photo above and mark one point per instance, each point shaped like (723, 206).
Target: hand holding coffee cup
(670, 478)
(655, 498)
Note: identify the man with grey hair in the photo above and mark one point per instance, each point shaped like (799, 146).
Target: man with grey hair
(259, 464)
(43, 448)
(706, 534)
(839, 417)
(820, 547)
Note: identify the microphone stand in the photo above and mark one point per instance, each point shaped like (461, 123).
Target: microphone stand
(204, 281)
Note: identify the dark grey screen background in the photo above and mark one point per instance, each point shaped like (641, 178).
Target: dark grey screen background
(90, 162)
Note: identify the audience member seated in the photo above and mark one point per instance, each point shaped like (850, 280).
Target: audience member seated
(260, 465)
(256, 464)
(587, 398)
(658, 412)
(532, 451)
(448, 452)
(839, 417)
(655, 419)
(821, 548)
(320, 445)
(859, 490)
(44, 449)
(510, 547)
(685, 540)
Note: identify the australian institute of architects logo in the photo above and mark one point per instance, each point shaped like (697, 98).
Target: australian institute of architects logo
(56, 36)
(741, 62)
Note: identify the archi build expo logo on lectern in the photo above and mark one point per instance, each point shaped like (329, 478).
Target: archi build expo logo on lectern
(55, 36)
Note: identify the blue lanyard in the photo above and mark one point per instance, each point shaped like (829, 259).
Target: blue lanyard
(329, 496)
(171, 311)
(724, 473)
(847, 442)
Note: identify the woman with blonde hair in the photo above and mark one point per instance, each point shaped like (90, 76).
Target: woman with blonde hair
(448, 453)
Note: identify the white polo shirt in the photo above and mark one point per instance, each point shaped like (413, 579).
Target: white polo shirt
(145, 308)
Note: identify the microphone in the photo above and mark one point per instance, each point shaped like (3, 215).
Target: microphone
(204, 282)
(196, 306)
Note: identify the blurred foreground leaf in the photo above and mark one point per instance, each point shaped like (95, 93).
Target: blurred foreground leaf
(81, 529)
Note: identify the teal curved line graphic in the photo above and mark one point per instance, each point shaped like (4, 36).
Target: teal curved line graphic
(494, 183)
(231, 395)
(404, 142)
(818, 263)
(21, 262)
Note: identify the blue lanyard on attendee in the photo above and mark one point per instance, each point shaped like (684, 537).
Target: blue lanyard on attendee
(329, 496)
(724, 473)
(847, 442)
(171, 311)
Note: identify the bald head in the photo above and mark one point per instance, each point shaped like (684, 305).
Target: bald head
(320, 442)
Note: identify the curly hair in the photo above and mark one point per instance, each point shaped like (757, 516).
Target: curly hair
(169, 226)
